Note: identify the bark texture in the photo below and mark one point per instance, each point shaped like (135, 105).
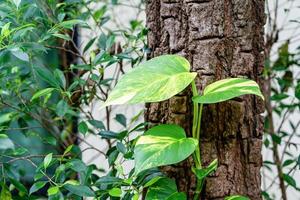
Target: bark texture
(221, 38)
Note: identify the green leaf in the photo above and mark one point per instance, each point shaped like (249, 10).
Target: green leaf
(5, 193)
(152, 181)
(177, 196)
(204, 172)
(162, 145)
(53, 190)
(71, 23)
(41, 93)
(89, 44)
(80, 190)
(290, 180)
(5, 143)
(47, 76)
(62, 36)
(227, 89)
(60, 78)
(97, 124)
(237, 197)
(155, 80)
(297, 91)
(19, 185)
(5, 30)
(115, 192)
(162, 189)
(36, 186)
(47, 160)
(62, 108)
(83, 127)
(121, 119)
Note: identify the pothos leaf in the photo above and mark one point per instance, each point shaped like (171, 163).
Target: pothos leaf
(155, 80)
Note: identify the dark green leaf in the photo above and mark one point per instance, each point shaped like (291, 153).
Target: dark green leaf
(97, 124)
(83, 127)
(290, 180)
(121, 119)
(62, 108)
(47, 76)
(80, 190)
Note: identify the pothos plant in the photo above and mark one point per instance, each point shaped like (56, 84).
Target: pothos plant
(157, 80)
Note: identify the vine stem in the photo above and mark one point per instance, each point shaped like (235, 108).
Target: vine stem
(196, 134)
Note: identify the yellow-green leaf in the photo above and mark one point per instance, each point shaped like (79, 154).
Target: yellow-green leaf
(155, 80)
(226, 89)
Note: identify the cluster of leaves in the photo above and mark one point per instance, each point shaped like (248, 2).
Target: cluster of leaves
(281, 130)
(47, 79)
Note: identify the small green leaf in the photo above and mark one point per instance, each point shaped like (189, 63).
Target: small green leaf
(80, 190)
(89, 44)
(36, 186)
(41, 93)
(5, 30)
(204, 172)
(97, 124)
(121, 119)
(290, 180)
(297, 91)
(19, 185)
(5, 193)
(162, 145)
(115, 192)
(83, 127)
(226, 89)
(62, 36)
(60, 78)
(47, 76)
(62, 108)
(71, 23)
(155, 80)
(237, 197)
(121, 147)
(47, 160)
(53, 190)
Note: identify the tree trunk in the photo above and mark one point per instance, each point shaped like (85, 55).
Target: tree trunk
(221, 38)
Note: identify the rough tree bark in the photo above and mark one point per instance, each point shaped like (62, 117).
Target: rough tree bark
(221, 38)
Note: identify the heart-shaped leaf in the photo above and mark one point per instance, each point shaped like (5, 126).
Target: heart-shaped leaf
(155, 80)
(227, 89)
(162, 189)
(162, 145)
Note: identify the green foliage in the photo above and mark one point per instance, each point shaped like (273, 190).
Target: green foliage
(49, 82)
(162, 145)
